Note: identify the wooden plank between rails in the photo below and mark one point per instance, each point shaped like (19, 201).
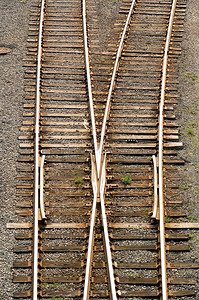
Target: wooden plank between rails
(48, 226)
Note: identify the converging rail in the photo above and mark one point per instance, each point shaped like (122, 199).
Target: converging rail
(99, 151)
(98, 184)
(99, 160)
(160, 160)
(116, 65)
(97, 234)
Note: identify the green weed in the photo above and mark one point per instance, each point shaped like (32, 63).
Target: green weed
(78, 179)
(126, 179)
(193, 77)
(192, 123)
(52, 285)
(183, 187)
(190, 130)
(191, 110)
(192, 218)
(174, 206)
(101, 109)
(167, 219)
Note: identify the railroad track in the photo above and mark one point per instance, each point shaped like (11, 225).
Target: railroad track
(98, 156)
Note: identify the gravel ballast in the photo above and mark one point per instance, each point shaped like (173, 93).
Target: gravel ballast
(14, 29)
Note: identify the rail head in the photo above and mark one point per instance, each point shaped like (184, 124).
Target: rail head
(113, 293)
(91, 233)
(37, 157)
(115, 69)
(86, 54)
(160, 153)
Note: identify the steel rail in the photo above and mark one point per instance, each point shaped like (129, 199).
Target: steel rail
(91, 233)
(108, 102)
(113, 295)
(89, 79)
(37, 158)
(98, 188)
(160, 149)
(94, 177)
(95, 184)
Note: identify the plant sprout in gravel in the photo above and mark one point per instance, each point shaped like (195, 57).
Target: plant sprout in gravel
(126, 179)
